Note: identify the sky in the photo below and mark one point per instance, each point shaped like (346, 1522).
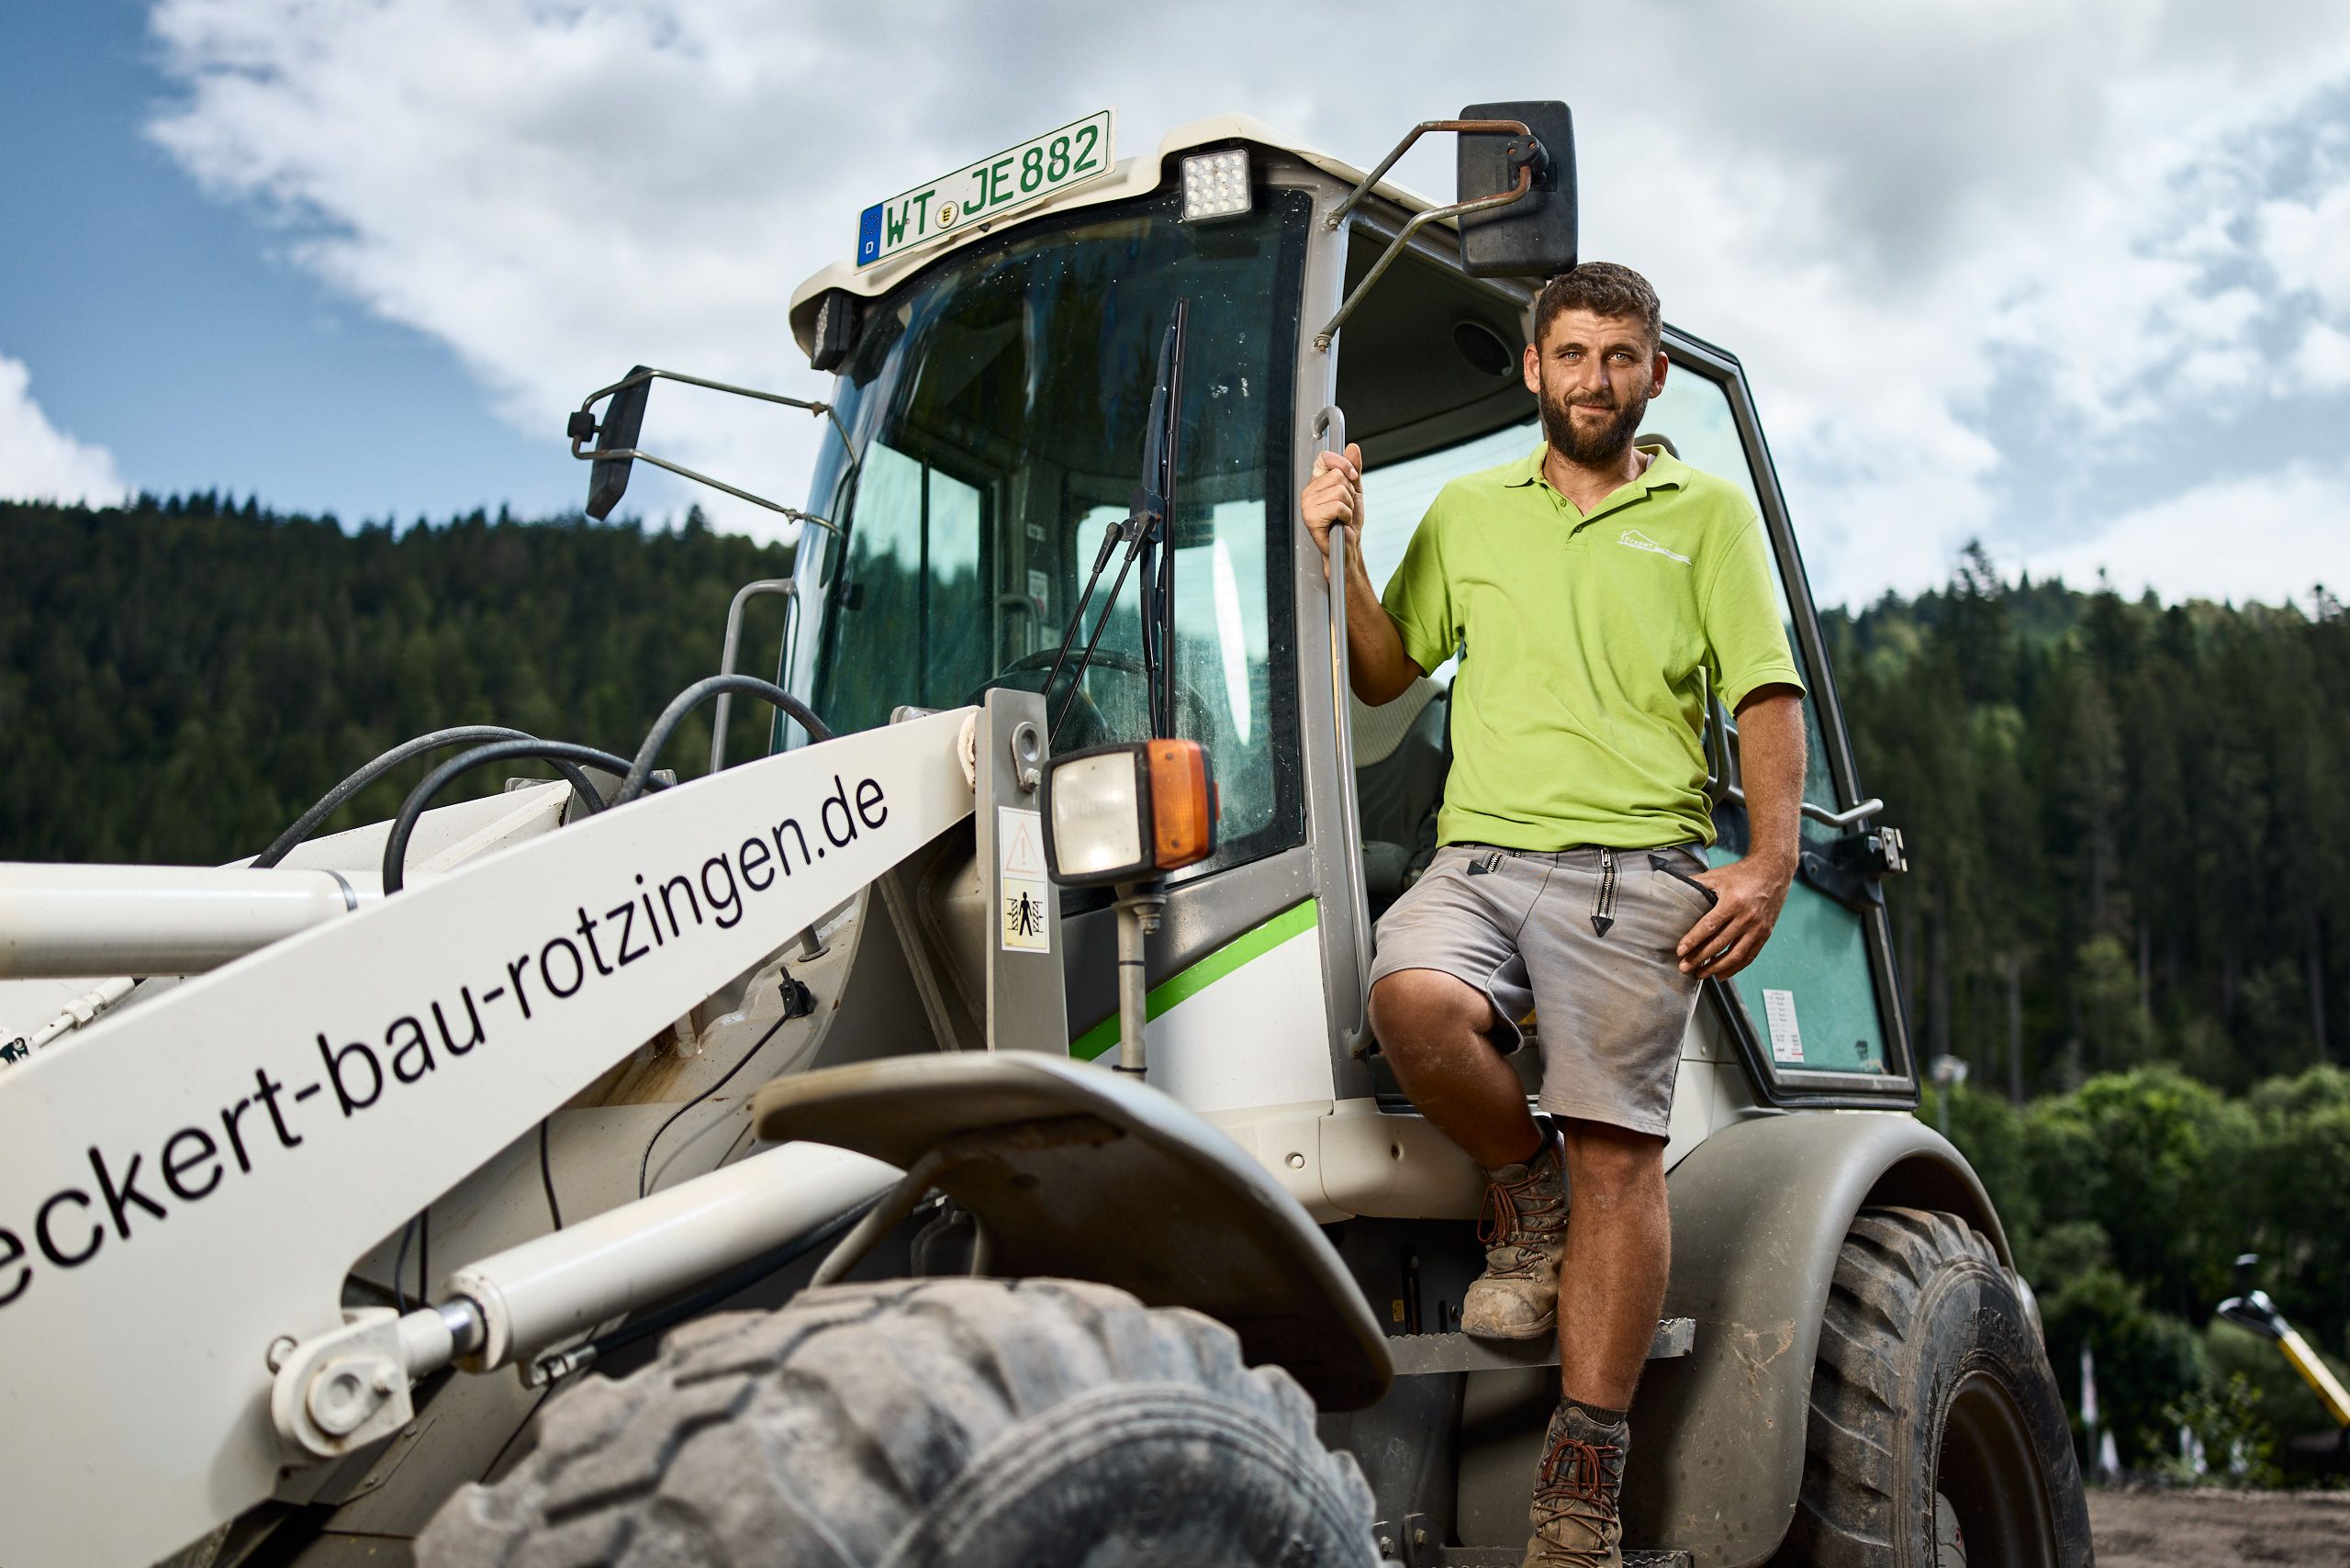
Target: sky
(2073, 280)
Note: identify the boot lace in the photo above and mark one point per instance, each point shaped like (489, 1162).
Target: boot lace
(1578, 1476)
(1516, 1213)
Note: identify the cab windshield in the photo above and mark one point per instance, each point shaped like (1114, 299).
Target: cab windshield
(998, 407)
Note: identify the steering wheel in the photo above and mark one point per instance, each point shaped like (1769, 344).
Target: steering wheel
(1086, 726)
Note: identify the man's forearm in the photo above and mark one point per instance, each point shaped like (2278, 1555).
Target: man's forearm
(1771, 754)
(1377, 666)
(1750, 892)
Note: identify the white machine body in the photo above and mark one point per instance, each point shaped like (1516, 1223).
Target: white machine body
(188, 1184)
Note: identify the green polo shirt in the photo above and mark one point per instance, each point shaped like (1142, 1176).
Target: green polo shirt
(1587, 646)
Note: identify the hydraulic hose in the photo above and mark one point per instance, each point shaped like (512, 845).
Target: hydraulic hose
(331, 802)
(562, 754)
(692, 696)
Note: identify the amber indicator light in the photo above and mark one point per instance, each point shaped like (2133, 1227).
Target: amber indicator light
(1183, 803)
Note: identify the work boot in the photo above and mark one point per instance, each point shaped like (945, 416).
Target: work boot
(1574, 1519)
(1524, 1228)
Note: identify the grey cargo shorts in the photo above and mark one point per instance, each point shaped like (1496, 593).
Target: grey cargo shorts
(1582, 939)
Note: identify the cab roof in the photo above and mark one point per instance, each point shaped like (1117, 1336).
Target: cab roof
(1137, 175)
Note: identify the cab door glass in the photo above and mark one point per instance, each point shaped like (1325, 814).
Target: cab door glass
(916, 554)
(1813, 997)
(1395, 496)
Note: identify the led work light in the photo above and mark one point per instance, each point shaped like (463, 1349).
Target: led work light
(1216, 185)
(1127, 813)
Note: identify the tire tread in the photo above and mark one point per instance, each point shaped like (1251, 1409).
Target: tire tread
(1846, 1513)
(821, 1432)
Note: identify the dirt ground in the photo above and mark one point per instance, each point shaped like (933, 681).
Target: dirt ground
(2192, 1530)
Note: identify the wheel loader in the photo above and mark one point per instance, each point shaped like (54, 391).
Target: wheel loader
(956, 1136)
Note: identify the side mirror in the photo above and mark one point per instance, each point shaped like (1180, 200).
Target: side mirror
(1517, 205)
(1533, 237)
(616, 450)
(608, 477)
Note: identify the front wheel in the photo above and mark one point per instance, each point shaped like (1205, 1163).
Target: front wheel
(981, 1423)
(1937, 1436)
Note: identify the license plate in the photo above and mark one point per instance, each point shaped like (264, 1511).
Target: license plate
(984, 191)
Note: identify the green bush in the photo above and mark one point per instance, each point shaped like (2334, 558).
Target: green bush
(2146, 1361)
(2303, 1198)
(2127, 1201)
(2142, 1154)
(2223, 1415)
(2284, 1406)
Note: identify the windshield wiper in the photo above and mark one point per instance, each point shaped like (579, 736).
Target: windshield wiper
(1146, 531)
(1158, 474)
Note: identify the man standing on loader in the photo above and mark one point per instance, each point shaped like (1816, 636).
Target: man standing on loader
(1598, 591)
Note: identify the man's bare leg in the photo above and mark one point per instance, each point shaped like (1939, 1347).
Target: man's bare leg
(1611, 1287)
(1432, 1030)
(1619, 1247)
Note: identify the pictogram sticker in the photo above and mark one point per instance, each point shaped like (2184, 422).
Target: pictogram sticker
(1024, 918)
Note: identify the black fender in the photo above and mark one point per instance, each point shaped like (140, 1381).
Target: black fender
(1759, 1211)
(1077, 1172)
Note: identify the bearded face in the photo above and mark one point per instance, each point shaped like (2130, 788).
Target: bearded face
(1591, 378)
(1591, 426)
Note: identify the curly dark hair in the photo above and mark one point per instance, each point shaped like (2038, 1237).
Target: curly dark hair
(1603, 288)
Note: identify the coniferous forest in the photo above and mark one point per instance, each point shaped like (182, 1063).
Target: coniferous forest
(180, 681)
(2128, 912)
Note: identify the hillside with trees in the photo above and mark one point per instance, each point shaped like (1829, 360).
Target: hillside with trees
(181, 680)
(2125, 826)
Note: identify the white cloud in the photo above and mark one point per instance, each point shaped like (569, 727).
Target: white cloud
(1919, 226)
(2268, 537)
(2308, 245)
(2323, 358)
(40, 462)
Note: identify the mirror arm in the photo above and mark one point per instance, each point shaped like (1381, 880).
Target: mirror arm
(1527, 155)
(640, 455)
(1323, 338)
(1473, 126)
(644, 376)
(583, 428)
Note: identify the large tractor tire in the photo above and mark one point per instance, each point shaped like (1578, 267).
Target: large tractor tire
(981, 1423)
(1936, 1437)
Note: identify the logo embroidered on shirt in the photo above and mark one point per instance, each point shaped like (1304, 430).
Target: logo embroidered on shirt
(1638, 540)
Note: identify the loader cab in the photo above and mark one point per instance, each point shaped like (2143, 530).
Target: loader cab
(998, 405)
(993, 396)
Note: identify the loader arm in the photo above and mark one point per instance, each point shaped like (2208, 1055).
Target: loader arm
(188, 1185)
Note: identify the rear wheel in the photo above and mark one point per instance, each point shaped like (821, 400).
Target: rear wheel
(973, 1422)
(1936, 1434)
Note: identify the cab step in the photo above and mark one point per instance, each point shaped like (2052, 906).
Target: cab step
(1419, 1355)
(1511, 1556)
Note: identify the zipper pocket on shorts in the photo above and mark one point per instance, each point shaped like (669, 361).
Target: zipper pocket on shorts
(1660, 862)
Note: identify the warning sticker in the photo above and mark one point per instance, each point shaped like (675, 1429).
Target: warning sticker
(1786, 1039)
(1022, 916)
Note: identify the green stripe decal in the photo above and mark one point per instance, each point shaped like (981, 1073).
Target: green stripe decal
(1187, 983)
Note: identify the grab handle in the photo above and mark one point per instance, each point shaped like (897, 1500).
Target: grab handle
(1330, 431)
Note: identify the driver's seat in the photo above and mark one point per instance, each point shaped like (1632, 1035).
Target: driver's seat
(1403, 749)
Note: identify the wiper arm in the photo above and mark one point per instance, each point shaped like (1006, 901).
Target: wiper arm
(1158, 477)
(1146, 528)
(1134, 528)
